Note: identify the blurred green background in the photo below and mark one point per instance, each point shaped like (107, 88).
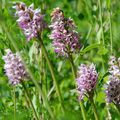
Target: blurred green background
(86, 15)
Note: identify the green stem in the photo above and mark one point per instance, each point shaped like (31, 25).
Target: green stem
(117, 107)
(73, 67)
(118, 110)
(40, 60)
(88, 10)
(103, 37)
(111, 36)
(29, 71)
(75, 75)
(101, 21)
(83, 111)
(108, 112)
(14, 104)
(29, 100)
(52, 72)
(94, 108)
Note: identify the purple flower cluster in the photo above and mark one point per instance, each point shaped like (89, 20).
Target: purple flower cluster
(14, 68)
(113, 90)
(30, 20)
(86, 79)
(112, 87)
(114, 65)
(64, 35)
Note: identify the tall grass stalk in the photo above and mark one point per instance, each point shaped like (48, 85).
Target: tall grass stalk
(52, 72)
(94, 108)
(101, 21)
(29, 100)
(103, 37)
(111, 36)
(108, 112)
(111, 48)
(14, 88)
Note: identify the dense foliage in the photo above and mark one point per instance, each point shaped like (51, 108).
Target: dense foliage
(60, 61)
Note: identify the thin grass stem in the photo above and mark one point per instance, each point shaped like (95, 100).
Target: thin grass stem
(94, 108)
(14, 88)
(83, 111)
(29, 100)
(103, 37)
(111, 36)
(101, 21)
(52, 73)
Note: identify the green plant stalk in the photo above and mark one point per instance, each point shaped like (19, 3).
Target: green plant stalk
(29, 72)
(41, 63)
(101, 21)
(73, 68)
(29, 100)
(88, 10)
(118, 110)
(52, 72)
(117, 107)
(108, 112)
(14, 104)
(83, 111)
(40, 59)
(111, 42)
(111, 36)
(75, 75)
(94, 108)
(103, 37)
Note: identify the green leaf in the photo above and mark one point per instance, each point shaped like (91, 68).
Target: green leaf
(33, 51)
(90, 47)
